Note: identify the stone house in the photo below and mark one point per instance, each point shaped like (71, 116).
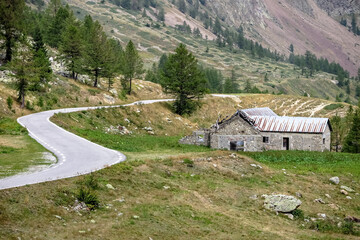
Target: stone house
(260, 129)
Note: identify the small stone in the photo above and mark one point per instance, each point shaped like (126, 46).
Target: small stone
(120, 214)
(322, 215)
(109, 186)
(92, 221)
(214, 165)
(333, 206)
(335, 180)
(58, 217)
(166, 187)
(348, 197)
(253, 165)
(81, 231)
(347, 189)
(327, 195)
(192, 175)
(253, 197)
(290, 216)
(136, 217)
(319, 200)
(299, 195)
(344, 192)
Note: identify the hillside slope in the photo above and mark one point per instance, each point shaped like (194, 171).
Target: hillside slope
(277, 24)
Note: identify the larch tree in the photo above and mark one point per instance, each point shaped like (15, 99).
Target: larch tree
(11, 16)
(24, 70)
(183, 79)
(133, 66)
(95, 53)
(352, 140)
(72, 47)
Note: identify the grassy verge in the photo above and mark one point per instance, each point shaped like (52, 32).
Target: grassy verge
(18, 151)
(305, 162)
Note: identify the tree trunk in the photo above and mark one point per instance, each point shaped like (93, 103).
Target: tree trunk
(96, 78)
(129, 91)
(8, 43)
(22, 100)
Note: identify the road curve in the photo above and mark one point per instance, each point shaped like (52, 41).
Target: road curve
(76, 155)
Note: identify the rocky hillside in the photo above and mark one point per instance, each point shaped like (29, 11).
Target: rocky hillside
(339, 7)
(305, 24)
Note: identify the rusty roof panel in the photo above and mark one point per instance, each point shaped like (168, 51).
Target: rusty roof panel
(289, 124)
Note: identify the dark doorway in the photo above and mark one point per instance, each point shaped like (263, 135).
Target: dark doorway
(286, 143)
(233, 146)
(237, 145)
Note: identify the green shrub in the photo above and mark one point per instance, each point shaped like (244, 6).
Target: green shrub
(298, 214)
(9, 102)
(93, 92)
(40, 102)
(29, 106)
(89, 198)
(188, 162)
(91, 181)
(333, 106)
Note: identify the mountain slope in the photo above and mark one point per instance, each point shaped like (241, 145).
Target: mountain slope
(279, 23)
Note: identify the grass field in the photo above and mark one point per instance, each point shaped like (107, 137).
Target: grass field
(18, 151)
(302, 162)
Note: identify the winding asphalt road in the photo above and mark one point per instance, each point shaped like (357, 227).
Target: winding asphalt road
(76, 155)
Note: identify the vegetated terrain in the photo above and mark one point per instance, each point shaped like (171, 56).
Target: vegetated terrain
(153, 39)
(19, 152)
(170, 191)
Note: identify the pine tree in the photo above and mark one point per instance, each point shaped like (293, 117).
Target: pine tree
(133, 66)
(11, 16)
(54, 6)
(183, 78)
(41, 61)
(182, 6)
(57, 26)
(353, 24)
(291, 48)
(114, 61)
(162, 62)
(248, 87)
(161, 15)
(71, 47)
(95, 52)
(352, 140)
(24, 70)
(359, 74)
(217, 27)
(228, 87)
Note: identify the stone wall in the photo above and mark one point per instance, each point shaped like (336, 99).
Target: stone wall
(200, 138)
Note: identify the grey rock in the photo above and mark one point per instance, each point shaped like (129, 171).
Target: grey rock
(253, 197)
(113, 92)
(109, 99)
(347, 189)
(335, 180)
(344, 192)
(299, 195)
(319, 200)
(348, 197)
(327, 195)
(281, 203)
(109, 186)
(290, 216)
(322, 215)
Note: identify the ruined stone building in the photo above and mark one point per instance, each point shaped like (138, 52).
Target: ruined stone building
(260, 129)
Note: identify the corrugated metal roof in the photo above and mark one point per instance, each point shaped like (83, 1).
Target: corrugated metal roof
(259, 112)
(289, 124)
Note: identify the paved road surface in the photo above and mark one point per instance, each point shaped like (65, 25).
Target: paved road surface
(76, 155)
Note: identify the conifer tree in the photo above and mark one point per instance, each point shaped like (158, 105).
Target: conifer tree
(71, 47)
(95, 52)
(11, 16)
(217, 27)
(183, 78)
(24, 70)
(57, 26)
(182, 6)
(133, 66)
(352, 140)
(353, 24)
(41, 63)
(114, 61)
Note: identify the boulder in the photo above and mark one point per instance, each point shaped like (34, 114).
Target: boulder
(109, 99)
(335, 180)
(281, 203)
(113, 91)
